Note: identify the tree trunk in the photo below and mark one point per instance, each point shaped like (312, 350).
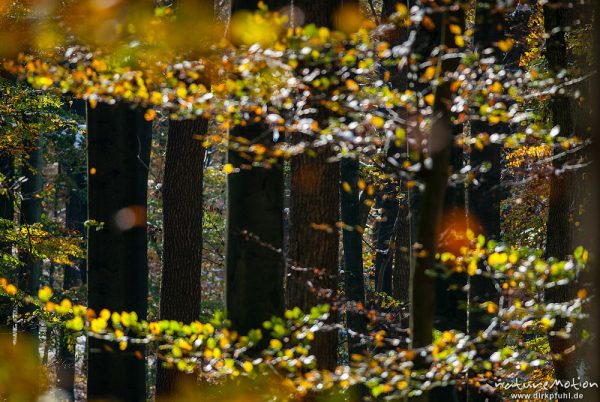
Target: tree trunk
(314, 213)
(559, 229)
(423, 286)
(314, 241)
(254, 260)
(7, 212)
(182, 222)
(255, 265)
(76, 215)
(402, 246)
(31, 213)
(119, 140)
(385, 231)
(352, 242)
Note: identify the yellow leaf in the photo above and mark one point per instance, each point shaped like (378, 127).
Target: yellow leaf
(44, 294)
(455, 29)
(582, 294)
(429, 73)
(248, 367)
(496, 88)
(347, 187)
(402, 10)
(459, 40)
(430, 99)
(150, 115)
(472, 269)
(11, 289)
(228, 168)
(505, 45)
(352, 85)
(377, 121)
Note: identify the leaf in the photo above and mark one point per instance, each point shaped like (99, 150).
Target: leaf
(428, 23)
(347, 187)
(430, 99)
(228, 168)
(505, 44)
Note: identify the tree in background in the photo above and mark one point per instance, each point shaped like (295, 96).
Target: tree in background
(119, 140)
(354, 280)
(183, 211)
(314, 211)
(423, 285)
(254, 265)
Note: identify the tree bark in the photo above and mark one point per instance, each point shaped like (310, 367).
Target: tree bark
(559, 229)
(385, 231)
(254, 259)
(119, 140)
(255, 265)
(354, 280)
(182, 222)
(76, 215)
(31, 213)
(314, 213)
(7, 212)
(423, 286)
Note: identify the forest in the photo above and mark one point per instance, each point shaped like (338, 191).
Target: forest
(299, 200)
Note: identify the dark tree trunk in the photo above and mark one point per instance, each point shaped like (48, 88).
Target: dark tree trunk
(254, 261)
(119, 140)
(31, 213)
(315, 200)
(385, 231)
(182, 222)
(255, 266)
(354, 280)
(559, 229)
(76, 215)
(484, 199)
(314, 241)
(423, 286)
(405, 228)
(7, 212)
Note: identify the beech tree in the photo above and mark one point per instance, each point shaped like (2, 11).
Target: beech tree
(118, 158)
(182, 214)
(30, 213)
(255, 264)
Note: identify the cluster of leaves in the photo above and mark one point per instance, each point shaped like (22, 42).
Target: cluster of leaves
(216, 351)
(281, 76)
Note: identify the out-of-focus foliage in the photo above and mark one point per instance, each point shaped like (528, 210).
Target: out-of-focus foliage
(270, 70)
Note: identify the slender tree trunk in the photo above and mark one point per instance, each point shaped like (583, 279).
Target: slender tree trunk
(31, 213)
(182, 221)
(119, 140)
(352, 242)
(7, 212)
(76, 215)
(385, 231)
(402, 247)
(559, 230)
(423, 286)
(591, 221)
(484, 199)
